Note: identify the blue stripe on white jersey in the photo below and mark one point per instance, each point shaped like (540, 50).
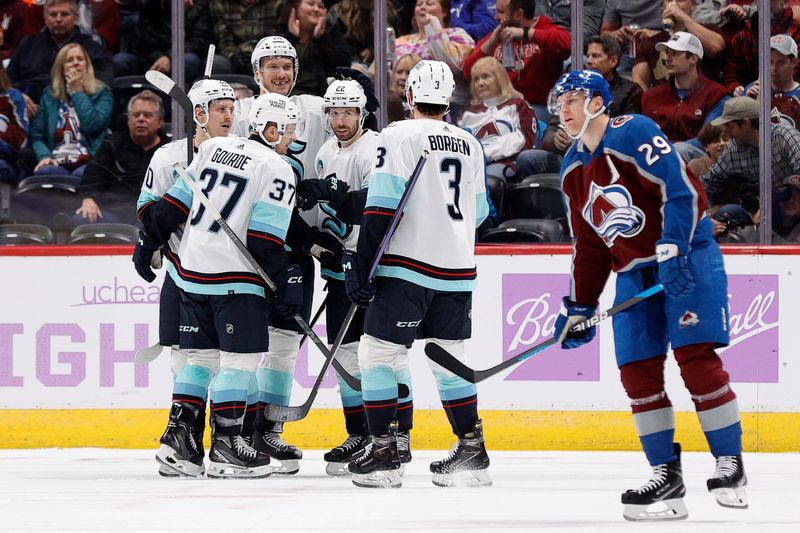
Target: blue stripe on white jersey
(181, 192)
(385, 190)
(481, 207)
(270, 218)
(146, 197)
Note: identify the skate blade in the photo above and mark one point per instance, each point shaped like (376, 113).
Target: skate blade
(284, 468)
(734, 498)
(167, 471)
(465, 478)
(673, 509)
(169, 459)
(337, 470)
(227, 471)
(380, 479)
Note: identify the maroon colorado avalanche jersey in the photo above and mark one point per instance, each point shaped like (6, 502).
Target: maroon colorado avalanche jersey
(633, 191)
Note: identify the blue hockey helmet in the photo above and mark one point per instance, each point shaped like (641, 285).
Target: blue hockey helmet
(589, 82)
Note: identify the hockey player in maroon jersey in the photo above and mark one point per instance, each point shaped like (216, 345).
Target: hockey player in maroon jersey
(635, 209)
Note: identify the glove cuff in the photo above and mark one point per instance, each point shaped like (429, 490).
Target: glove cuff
(668, 248)
(570, 308)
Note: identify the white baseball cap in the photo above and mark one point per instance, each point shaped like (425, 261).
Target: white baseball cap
(683, 41)
(784, 44)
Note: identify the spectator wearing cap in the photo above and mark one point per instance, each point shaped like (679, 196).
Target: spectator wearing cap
(689, 100)
(113, 178)
(741, 63)
(785, 90)
(649, 66)
(739, 160)
(786, 206)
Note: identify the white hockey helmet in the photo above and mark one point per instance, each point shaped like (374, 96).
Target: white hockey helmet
(205, 91)
(346, 93)
(272, 107)
(273, 46)
(431, 83)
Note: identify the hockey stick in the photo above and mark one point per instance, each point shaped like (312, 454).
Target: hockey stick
(349, 379)
(314, 320)
(209, 60)
(285, 413)
(167, 85)
(145, 355)
(444, 358)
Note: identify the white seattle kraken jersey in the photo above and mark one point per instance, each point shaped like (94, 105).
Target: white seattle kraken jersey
(253, 188)
(241, 110)
(159, 178)
(352, 165)
(434, 244)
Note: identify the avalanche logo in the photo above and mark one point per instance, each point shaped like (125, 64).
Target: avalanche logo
(494, 128)
(610, 211)
(688, 319)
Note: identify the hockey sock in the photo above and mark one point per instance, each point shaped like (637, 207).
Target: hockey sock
(405, 405)
(652, 410)
(276, 369)
(714, 400)
(459, 396)
(252, 406)
(229, 400)
(191, 385)
(352, 403)
(379, 388)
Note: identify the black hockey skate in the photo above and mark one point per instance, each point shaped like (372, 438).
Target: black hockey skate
(661, 498)
(379, 465)
(404, 449)
(286, 455)
(346, 452)
(728, 482)
(181, 452)
(233, 457)
(467, 463)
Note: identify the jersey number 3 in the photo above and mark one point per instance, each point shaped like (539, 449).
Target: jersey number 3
(453, 165)
(210, 175)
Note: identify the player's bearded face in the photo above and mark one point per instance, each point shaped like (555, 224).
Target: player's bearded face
(344, 122)
(277, 74)
(220, 118)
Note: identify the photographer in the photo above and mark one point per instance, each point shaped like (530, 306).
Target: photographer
(734, 223)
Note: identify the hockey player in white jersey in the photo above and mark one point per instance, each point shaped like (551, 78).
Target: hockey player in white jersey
(343, 166)
(223, 301)
(213, 107)
(275, 67)
(423, 286)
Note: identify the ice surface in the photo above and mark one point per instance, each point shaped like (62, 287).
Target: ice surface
(119, 490)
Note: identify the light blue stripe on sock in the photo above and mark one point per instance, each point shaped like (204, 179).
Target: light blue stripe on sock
(453, 387)
(274, 386)
(252, 390)
(378, 383)
(350, 397)
(230, 386)
(404, 376)
(193, 380)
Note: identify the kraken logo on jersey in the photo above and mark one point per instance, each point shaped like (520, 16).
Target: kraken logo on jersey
(610, 211)
(333, 224)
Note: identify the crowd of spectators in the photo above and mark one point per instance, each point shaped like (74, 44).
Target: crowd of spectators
(690, 65)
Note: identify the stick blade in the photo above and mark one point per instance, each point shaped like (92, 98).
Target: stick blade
(442, 357)
(285, 413)
(146, 355)
(160, 80)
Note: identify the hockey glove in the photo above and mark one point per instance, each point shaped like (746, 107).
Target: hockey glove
(372, 104)
(143, 256)
(359, 289)
(673, 269)
(319, 242)
(289, 299)
(571, 314)
(310, 192)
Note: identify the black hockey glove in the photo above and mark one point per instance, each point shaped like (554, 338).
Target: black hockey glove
(319, 243)
(310, 192)
(372, 102)
(289, 299)
(143, 256)
(359, 289)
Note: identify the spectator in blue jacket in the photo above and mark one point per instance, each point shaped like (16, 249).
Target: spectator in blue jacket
(30, 65)
(474, 16)
(73, 115)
